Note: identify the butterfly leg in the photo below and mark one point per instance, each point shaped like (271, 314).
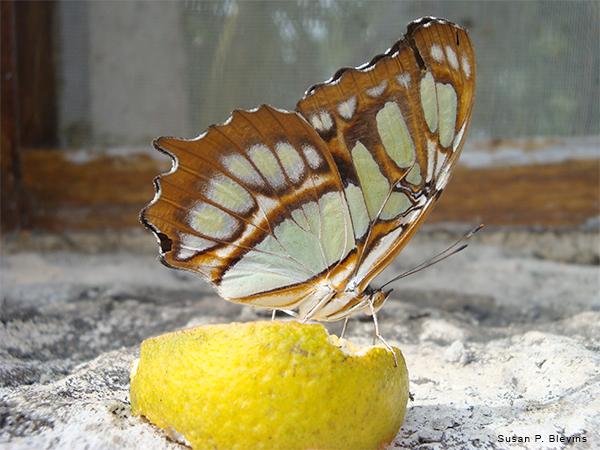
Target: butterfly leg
(345, 327)
(377, 335)
(273, 315)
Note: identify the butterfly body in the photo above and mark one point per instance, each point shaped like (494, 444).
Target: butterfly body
(299, 211)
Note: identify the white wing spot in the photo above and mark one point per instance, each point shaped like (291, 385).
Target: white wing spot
(404, 80)
(431, 159)
(380, 249)
(265, 162)
(394, 134)
(190, 245)
(326, 120)
(242, 169)
(437, 53)
(466, 66)
(312, 157)
(429, 101)
(411, 216)
(291, 161)
(442, 163)
(459, 136)
(211, 221)
(376, 91)
(452, 59)
(229, 195)
(358, 209)
(374, 184)
(316, 123)
(347, 108)
(443, 177)
(447, 107)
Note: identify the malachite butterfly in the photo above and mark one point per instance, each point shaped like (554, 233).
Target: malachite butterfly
(299, 211)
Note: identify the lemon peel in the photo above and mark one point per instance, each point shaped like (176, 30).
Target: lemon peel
(269, 385)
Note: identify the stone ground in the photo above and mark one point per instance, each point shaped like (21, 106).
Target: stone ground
(502, 341)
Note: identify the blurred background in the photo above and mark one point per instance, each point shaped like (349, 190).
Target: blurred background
(86, 86)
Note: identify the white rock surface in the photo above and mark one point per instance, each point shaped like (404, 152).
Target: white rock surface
(502, 341)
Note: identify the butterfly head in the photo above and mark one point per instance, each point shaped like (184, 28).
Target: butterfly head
(377, 298)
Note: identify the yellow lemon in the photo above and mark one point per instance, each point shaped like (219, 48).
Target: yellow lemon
(269, 385)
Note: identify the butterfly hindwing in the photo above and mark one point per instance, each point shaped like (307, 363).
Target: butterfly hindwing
(253, 212)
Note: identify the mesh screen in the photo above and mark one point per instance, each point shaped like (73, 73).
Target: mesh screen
(131, 71)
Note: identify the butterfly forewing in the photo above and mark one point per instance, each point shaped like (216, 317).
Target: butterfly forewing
(302, 209)
(395, 128)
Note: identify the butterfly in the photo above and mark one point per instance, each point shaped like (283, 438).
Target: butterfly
(299, 211)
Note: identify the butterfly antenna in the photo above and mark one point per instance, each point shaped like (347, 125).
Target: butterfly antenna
(452, 250)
